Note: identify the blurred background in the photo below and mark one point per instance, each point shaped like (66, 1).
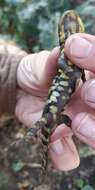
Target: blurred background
(32, 25)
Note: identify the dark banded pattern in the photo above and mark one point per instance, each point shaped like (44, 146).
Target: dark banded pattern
(63, 86)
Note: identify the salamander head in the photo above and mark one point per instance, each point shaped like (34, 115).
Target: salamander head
(69, 24)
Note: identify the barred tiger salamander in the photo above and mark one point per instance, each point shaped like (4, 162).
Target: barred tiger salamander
(63, 85)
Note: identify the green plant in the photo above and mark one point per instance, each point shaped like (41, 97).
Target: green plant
(87, 187)
(79, 183)
(33, 23)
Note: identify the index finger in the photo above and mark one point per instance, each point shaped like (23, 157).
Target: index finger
(80, 49)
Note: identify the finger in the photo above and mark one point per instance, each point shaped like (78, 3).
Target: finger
(80, 49)
(62, 149)
(28, 109)
(35, 71)
(50, 68)
(83, 126)
(60, 132)
(30, 70)
(88, 93)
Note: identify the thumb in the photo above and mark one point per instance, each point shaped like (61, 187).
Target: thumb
(80, 49)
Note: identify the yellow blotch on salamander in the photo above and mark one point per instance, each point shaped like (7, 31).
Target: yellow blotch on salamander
(55, 93)
(63, 75)
(64, 83)
(44, 120)
(53, 98)
(60, 88)
(62, 34)
(81, 26)
(64, 97)
(53, 109)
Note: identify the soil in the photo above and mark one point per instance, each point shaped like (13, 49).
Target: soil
(19, 169)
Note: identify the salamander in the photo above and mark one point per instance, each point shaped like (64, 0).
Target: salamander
(62, 87)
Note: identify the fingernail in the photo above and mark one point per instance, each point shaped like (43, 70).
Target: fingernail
(57, 147)
(84, 124)
(79, 47)
(89, 94)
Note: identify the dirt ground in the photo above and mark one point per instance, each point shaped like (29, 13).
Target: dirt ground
(18, 169)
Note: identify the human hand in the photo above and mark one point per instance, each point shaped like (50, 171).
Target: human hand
(80, 49)
(34, 83)
(34, 77)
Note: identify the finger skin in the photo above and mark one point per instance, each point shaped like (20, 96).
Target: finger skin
(88, 93)
(83, 126)
(36, 71)
(30, 70)
(62, 149)
(28, 108)
(80, 49)
(50, 68)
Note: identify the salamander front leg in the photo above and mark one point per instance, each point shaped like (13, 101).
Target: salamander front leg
(64, 119)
